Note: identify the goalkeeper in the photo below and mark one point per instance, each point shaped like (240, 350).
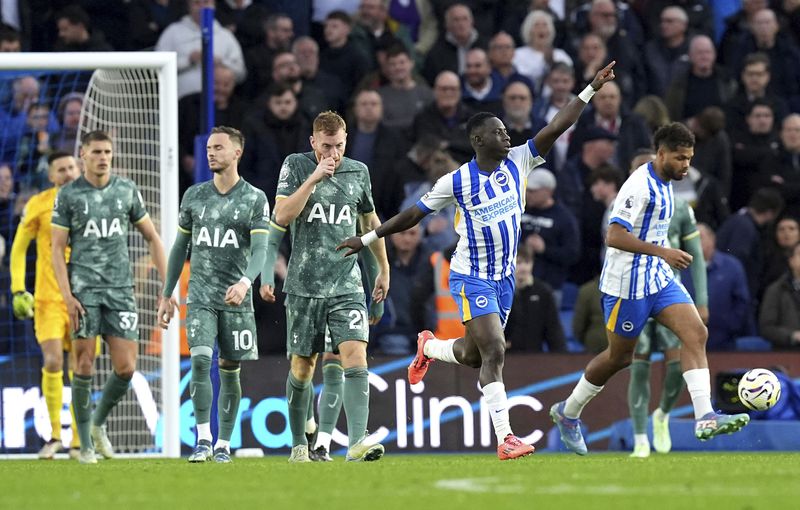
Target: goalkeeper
(46, 306)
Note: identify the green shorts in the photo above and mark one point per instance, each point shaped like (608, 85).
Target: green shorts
(235, 332)
(656, 338)
(310, 320)
(109, 312)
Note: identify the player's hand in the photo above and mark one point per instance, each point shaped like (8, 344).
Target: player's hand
(353, 243)
(166, 311)
(703, 312)
(678, 259)
(236, 293)
(23, 305)
(75, 311)
(381, 289)
(375, 312)
(324, 169)
(267, 293)
(604, 75)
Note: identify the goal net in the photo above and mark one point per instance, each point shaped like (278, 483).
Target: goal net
(46, 107)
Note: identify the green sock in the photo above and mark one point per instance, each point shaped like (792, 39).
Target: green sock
(639, 395)
(356, 402)
(200, 388)
(230, 393)
(113, 391)
(330, 405)
(673, 386)
(297, 399)
(82, 405)
(310, 413)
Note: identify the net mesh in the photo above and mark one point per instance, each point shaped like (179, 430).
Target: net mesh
(124, 103)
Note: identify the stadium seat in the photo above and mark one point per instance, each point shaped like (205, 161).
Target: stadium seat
(569, 293)
(752, 343)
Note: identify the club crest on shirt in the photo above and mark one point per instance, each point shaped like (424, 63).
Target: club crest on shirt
(500, 177)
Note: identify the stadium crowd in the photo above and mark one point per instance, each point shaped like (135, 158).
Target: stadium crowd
(409, 73)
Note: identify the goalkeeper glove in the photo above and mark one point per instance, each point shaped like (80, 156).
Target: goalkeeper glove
(23, 305)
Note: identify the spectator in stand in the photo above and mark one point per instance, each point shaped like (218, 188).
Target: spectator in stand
(787, 235)
(446, 118)
(69, 117)
(598, 148)
(755, 80)
(755, 153)
(379, 147)
(729, 305)
(738, 26)
(588, 321)
(501, 57)
(550, 230)
(449, 53)
(8, 205)
(75, 33)
(604, 184)
(229, 110)
(742, 233)
(592, 56)
(277, 37)
(9, 41)
(788, 175)
(653, 111)
(403, 97)
(306, 52)
(342, 58)
(274, 131)
(33, 149)
(148, 18)
(697, 13)
(518, 116)
(184, 37)
(664, 55)
(780, 314)
(538, 32)
(701, 84)
(286, 70)
(712, 149)
(480, 91)
(765, 36)
(245, 19)
(556, 94)
(608, 113)
(533, 324)
(372, 29)
(418, 19)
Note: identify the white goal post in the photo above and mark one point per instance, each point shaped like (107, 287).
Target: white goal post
(160, 191)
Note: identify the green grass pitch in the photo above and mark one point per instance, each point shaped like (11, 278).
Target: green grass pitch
(729, 481)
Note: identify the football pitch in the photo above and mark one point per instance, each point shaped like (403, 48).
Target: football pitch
(413, 482)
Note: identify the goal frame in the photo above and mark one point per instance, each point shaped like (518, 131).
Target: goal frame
(165, 64)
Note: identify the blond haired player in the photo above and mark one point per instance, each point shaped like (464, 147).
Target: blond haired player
(45, 306)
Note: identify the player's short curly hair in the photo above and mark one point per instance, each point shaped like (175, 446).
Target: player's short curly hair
(477, 121)
(236, 136)
(329, 123)
(672, 136)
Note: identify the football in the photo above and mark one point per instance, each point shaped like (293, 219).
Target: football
(759, 389)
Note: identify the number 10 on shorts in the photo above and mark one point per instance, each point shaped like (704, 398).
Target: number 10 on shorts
(243, 340)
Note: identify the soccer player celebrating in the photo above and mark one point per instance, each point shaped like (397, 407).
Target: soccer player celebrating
(637, 283)
(489, 192)
(226, 220)
(321, 194)
(93, 213)
(46, 306)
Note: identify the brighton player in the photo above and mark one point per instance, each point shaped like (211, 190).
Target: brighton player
(93, 213)
(46, 306)
(637, 283)
(489, 192)
(226, 222)
(321, 196)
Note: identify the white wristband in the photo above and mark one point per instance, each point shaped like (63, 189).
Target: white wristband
(245, 280)
(587, 93)
(369, 238)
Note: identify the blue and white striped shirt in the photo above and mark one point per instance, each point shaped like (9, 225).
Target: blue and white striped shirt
(644, 206)
(488, 212)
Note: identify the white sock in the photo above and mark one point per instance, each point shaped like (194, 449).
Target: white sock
(323, 439)
(698, 382)
(221, 443)
(584, 392)
(311, 425)
(441, 350)
(640, 439)
(497, 402)
(204, 432)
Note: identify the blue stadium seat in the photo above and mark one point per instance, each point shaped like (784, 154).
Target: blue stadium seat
(752, 343)
(569, 293)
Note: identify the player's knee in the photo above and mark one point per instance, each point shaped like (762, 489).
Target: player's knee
(228, 364)
(495, 354)
(125, 372)
(472, 360)
(302, 368)
(53, 362)
(696, 337)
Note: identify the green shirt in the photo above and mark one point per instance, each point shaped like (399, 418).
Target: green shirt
(330, 216)
(682, 226)
(221, 227)
(97, 220)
